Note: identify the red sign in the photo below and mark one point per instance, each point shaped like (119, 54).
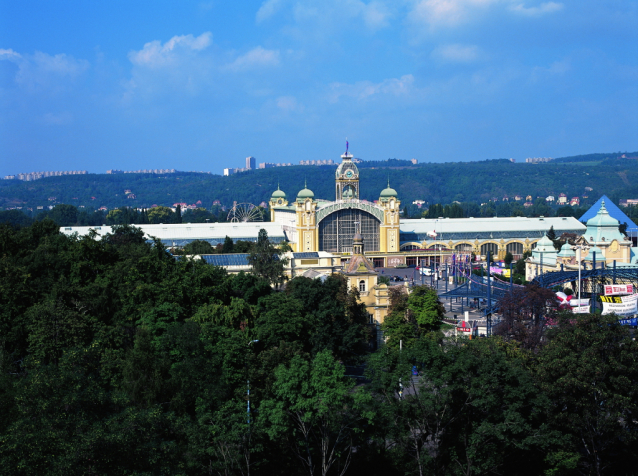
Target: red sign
(616, 289)
(463, 326)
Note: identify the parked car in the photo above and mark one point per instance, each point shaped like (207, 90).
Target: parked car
(426, 271)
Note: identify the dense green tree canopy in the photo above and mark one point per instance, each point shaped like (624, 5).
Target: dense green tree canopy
(119, 358)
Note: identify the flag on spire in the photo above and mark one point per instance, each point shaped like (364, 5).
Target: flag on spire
(347, 146)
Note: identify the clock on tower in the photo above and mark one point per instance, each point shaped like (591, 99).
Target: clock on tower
(347, 179)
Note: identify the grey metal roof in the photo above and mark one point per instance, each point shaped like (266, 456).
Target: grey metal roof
(486, 228)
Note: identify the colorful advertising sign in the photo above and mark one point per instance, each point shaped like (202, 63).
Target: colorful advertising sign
(621, 305)
(617, 289)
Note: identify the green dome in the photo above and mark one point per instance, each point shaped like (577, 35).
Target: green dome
(566, 251)
(544, 245)
(388, 192)
(305, 193)
(278, 194)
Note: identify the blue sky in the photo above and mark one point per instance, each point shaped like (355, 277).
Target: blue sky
(201, 85)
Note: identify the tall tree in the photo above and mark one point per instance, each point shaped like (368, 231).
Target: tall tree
(526, 312)
(228, 245)
(588, 370)
(266, 259)
(314, 410)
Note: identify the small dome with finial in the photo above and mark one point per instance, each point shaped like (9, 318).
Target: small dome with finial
(388, 192)
(305, 193)
(278, 193)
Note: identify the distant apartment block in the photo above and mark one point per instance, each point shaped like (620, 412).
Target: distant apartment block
(316, 162)
(28, 177)
(630, 202)
(251, 163)
(268, 165)
(144, 171)
(538, 160)
(228, 172)
(414, 161)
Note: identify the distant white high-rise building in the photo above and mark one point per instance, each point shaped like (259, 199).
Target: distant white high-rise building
(251, 163)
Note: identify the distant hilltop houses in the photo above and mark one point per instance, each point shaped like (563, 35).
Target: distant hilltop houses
(251, 164)
(562, 200)
(144, 171)
(28, 177)
(538, 160)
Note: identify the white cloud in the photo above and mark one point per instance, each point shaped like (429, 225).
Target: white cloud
(447, 12)
(323, 17)
(289, 103)
(254, 58)
(155, 54)
(457, 53)
(9, 54)
(364, 90)
(557, 68)
(43, 71)
(268, 9)
(375, 14)
(452, 13)
(543, 8)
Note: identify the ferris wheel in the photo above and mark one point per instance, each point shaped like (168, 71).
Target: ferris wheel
(244, 212)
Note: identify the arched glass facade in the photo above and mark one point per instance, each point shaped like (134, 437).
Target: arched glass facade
(515, 248)
(491, 247)
(337, 230)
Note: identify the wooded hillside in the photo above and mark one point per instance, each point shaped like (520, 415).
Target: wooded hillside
(434, 183)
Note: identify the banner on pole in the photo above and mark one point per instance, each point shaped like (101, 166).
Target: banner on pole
(580, 310)
(617, 289)
(623, 305)
(629, 322)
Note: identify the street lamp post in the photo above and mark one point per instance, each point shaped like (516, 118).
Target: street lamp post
(579, 256)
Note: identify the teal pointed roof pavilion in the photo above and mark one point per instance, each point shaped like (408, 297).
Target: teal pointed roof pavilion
(603, 227)
(613, 211)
